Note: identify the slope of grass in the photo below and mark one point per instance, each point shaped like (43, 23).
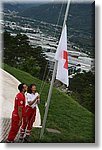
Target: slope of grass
(75, 123)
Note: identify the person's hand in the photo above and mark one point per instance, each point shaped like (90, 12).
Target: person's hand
(38, 96)
(38, 101)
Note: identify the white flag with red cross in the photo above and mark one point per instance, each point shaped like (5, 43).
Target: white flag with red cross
(62, 57)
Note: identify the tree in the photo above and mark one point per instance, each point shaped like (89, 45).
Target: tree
(83, 86)
(31, 65)
(40, 57)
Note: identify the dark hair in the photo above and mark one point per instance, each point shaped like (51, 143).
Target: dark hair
(29, 88)
(20, 87)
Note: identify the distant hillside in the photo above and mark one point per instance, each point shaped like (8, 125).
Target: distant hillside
(17, 6)
(47, 12)
(80, 15)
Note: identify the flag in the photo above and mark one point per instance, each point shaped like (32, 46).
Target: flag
(62, 57)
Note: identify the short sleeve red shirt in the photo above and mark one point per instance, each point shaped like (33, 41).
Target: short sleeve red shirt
(19, 101)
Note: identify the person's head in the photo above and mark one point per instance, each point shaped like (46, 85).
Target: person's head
(22, 87)
(32, 88)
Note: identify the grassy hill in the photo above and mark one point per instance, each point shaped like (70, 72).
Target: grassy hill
(75, 123)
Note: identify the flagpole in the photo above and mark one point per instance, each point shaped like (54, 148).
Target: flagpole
(53, 78)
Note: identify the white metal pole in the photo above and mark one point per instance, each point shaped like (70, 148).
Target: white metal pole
(53, 78)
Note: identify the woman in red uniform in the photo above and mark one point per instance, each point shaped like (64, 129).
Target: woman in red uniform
(18, 113)
(33, 99)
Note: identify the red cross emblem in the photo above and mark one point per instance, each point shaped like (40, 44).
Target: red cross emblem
(65, 56)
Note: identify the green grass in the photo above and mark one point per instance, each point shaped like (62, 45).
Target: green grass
(75, 123)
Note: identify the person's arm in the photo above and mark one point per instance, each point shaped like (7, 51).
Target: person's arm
(20, 106)
(38, 100)
(20, 114)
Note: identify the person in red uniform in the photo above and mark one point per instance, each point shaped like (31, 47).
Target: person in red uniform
(18, 113)
(33, 98)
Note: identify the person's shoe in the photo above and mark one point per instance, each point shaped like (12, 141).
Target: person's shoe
(27, 139)
(7, 141)
(20, 140)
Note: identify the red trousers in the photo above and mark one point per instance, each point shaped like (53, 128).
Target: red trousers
(14, 127)
(29, 120)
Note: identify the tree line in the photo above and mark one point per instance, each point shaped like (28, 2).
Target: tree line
(82, 86)
(19, 53)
